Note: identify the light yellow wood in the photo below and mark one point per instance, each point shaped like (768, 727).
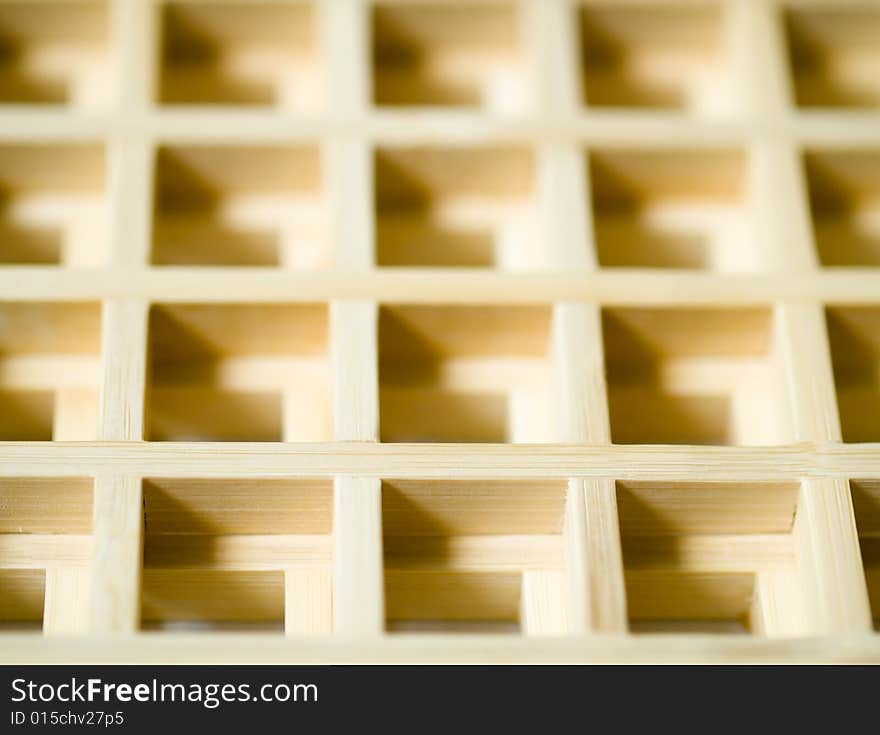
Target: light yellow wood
(552, 322)
(355, 391)
(543, 604)
(66, 607)
(835, 591)
(446, 649)
(308, 602)
(358, 600)
(118, 551)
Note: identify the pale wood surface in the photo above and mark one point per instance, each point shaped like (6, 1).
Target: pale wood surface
(549, 319)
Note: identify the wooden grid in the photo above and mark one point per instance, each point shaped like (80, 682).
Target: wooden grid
(555, 321)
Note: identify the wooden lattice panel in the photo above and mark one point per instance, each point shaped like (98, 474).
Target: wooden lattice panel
(464, 330)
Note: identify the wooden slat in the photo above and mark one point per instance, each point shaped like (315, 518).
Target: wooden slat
(596, 592)
(66, 607)
(817, 460)
(355, 361)
(199, 648)
(308, 603)
(358, 606)
(116, 568)
(829, 559)
(543, 604)
(123, 383)
(446, 285)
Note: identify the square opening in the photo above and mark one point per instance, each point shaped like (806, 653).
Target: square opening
(50, 371)
(22, 600)
(710, 557)
(656, 56)
(239, 206)
(238, 554)
(844, 189)
(55, 53)
(694, 376)
(448, 54)
(462, 373)
(834, 52)
(866, 504)
(474, 556)
(52, 205)
(239, 53)
(673, 209)
(45, 544)
(854, 336)
(460, 206)
(238, 372)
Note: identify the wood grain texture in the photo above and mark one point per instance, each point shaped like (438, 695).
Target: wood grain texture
(333, 330)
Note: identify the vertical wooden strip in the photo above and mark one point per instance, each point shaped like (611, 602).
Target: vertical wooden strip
(596, 589)
(549, 29)
(114, 598)
(134, 34)
(345, 39)
(755, 47)
(808, 372)
(358, 597)
(564, 210)
(829, 559)
(118, 553)
(355, 370)
(778, 198)
(308, 602)
(607, 591)
(829, 563)
(66, 606)
(543, 603)
(348, 160)
(348, 176)
(778, 604)
(130, 182)
(580, 374)
(123, 380)
(562, 186)
(358, 602)
(829, 568)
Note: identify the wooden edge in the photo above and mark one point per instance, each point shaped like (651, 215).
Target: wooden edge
(438, 649)
(817, 460)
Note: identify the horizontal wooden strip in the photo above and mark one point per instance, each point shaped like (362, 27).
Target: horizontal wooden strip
(441, 285)
(593, 126)
(630, 462)
(424, 649)
(43, 551)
